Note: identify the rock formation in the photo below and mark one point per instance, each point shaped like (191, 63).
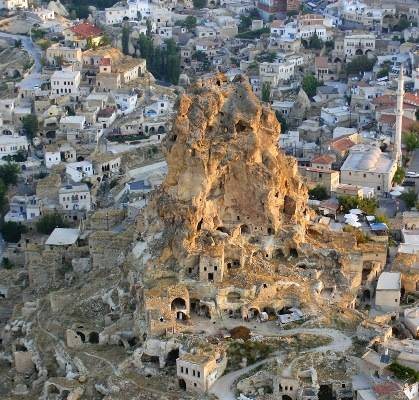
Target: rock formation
(228, 227)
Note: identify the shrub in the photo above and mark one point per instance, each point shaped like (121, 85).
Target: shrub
(12, 231)
(49, 222)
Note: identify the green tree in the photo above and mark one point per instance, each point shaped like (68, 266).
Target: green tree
(359, 65)
(199, 3)
(383, 72)
(310, 84)
(319, 192)
(369, 206)
(266, 91)
(410, 198)
(47, 223)
(189, 23)
(12, 231)
(9, 173)
(411, 140)
(399, 175)
(126, 32)
(315, 42)
(30, 124)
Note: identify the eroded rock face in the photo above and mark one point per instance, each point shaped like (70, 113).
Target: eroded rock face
(227, 182)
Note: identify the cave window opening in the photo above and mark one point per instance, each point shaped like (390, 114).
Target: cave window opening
(293, 252)
(210, 276)
(93, 337)
(82, 336)
(174, 137)
(198, 227)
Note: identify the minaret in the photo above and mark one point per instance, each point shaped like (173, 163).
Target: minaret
(397, 143)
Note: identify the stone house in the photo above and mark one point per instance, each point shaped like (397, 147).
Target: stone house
(198, 372)
(387, 296)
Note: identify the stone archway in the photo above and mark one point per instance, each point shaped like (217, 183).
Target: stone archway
(178, 304)
(182, 384)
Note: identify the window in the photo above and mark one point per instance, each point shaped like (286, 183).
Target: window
(187, 371)
(365, 175)
(181, 370)
(193, 372)
(199, 374)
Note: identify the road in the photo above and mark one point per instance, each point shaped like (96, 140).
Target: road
(34, 51)
(223, 387)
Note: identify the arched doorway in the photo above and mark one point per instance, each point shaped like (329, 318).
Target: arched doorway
(82, 336)
(244, 229)
(182, 384)
(178, 304)
(286, 397)
(359, 52)
(172, 356)
(253, 312)
(93, 337)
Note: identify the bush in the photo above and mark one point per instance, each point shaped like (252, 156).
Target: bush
(12, 231)
(404, 373)
(49, 222)
(319, 192)
(409, 198)
(6, 263)
(9, 173)
(399, 175)
(369, 206)
(240, 332)
(256, 34)
(360, 64)
(310, 84)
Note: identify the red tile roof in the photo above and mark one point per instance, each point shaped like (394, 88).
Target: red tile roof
(390, 119)
(323, 159)
(86, 30)
(105, 61)
(321, 62)
(386, 388)
(343, 143)
(411, 98)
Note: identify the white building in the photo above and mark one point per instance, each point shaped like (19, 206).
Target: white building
(65, 82)
(274, 73)
(125, 101)
(23, 208)
(75, 197)
(79, 170)
(358, 45)
(14, 4)
(335, 115)
(159, 107)
(72, 122)
(368, 166)
(387, 294)
(52, 158)
(11, 144)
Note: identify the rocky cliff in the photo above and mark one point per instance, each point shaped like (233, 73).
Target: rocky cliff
(227, 182)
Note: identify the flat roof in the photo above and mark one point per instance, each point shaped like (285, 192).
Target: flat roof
(389, 281)
(63, 237)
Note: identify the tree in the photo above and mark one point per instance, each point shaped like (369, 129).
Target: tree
(409, 198)
(30, 124)
(411, 141)
(315, 42)
(12, 231)
(199, 3)
(319, 192)
(189, 23)
(266, 91)
(149, 27)
(126, 32)
(359, 65)
(18, 43)
(369, 206)
(281, 119)
(399, 175)
(383, 72)
(49, 222)
(9, 173)
(310, 84)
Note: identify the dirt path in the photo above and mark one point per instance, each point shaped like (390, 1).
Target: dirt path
(223, 387)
